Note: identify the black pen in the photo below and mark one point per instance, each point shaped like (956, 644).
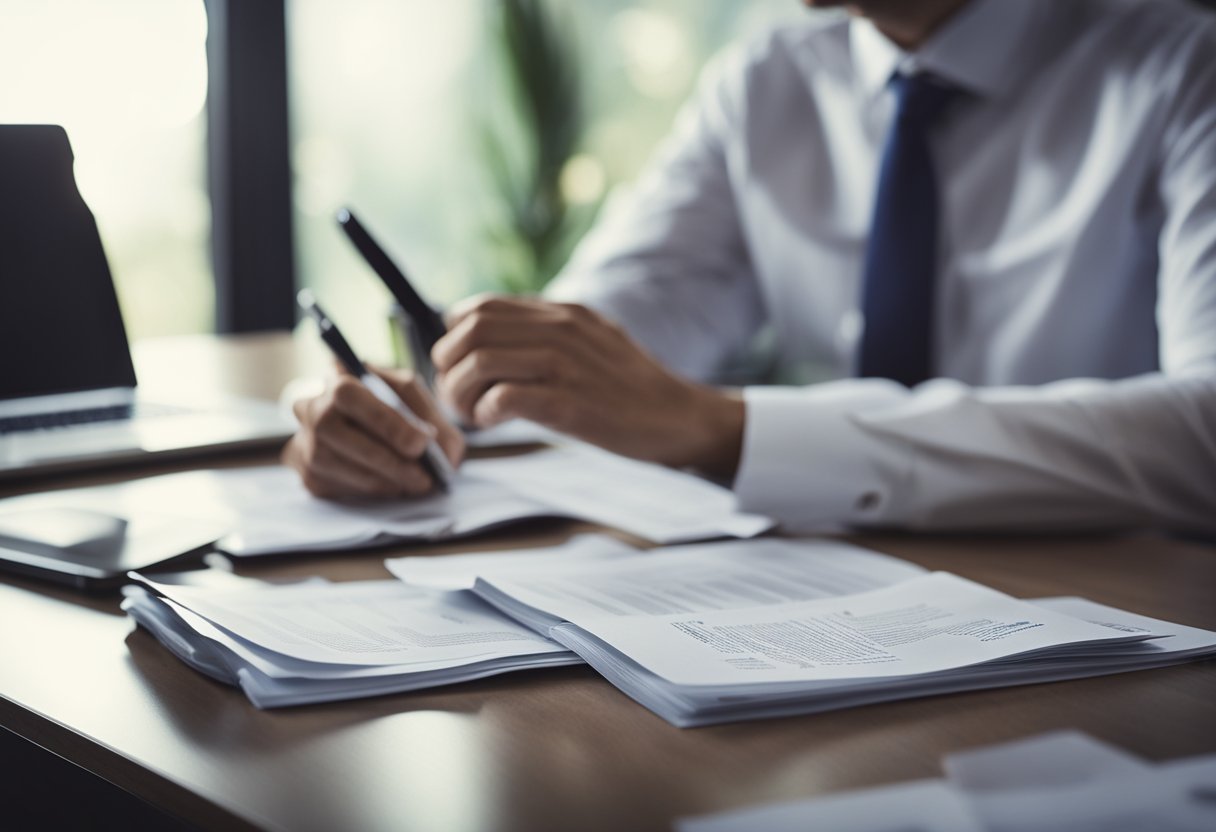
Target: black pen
(434, 462)
(428, 323)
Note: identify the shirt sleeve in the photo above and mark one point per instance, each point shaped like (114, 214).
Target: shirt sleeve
(1075, 454)
(668, 261)
(1072, 455)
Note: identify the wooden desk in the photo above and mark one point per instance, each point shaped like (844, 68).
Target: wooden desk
(562, 749)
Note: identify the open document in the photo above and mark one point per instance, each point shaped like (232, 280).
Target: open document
(764, 634)
(269, 511)
(321, 641)
(691, 578)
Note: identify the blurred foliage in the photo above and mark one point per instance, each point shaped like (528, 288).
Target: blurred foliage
(533, 122)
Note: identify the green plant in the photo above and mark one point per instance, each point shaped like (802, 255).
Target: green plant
(530, 128)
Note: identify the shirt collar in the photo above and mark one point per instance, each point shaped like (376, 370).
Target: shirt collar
(981, 49)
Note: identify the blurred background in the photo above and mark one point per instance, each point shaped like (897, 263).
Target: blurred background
(475, 138)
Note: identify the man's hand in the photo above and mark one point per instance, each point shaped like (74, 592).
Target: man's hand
(351, 444)
(569, 369)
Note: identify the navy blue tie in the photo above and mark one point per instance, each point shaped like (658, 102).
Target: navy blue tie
(901, 255)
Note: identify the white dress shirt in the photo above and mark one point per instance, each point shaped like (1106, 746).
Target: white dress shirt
(1076, 303)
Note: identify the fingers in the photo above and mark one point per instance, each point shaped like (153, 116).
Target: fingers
(406, 385)
(352, 400)
(499, 341)
(537, 402)
(489, 302)
(518, 322)
(481, 369)
(333, 471)
(352, 444)
(524, 340)
(498, 322)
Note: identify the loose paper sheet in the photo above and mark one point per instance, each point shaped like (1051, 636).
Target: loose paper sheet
(708, 576)
(654, 502)
(459, 572)
(269, 510)
(920, 806)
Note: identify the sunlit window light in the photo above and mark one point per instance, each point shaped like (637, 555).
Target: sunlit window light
(128, 80)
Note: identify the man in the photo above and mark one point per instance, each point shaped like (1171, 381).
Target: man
(992, 222)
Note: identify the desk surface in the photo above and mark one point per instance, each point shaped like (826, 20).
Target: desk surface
(561, 748)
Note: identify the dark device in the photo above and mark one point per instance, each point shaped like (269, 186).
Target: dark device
(60, 326)
(68, 397)
(94, 551)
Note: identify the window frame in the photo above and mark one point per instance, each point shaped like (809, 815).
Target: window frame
(249, 168)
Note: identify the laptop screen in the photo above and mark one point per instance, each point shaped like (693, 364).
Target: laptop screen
(60, 326)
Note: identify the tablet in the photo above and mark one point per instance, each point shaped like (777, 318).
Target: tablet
(94, 551)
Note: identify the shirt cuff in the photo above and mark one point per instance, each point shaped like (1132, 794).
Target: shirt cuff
(810, 464)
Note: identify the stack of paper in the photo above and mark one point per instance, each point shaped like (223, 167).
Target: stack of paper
(269, 511)
(746, 631)
(699, 633)
(321, 641)
(1065, 781)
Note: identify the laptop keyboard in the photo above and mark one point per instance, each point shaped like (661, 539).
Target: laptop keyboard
(71, 418)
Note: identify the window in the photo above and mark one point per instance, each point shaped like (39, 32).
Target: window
(128, 81)
(386, 102)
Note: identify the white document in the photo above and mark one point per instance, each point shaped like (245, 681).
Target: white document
(652, 501)
(357, 623)
(269, 511)
(925, 625)
(1178, 643)
(297, 521)
(278, 666)
(919, 806)
(460, 572)
(691, 578)
(711, 633)
(271, 679)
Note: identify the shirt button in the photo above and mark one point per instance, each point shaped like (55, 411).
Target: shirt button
(848, 331)
(868, 501)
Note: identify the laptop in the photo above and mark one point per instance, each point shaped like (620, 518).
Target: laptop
(68, 395)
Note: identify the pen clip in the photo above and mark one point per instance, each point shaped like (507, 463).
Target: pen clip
(415, 346)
